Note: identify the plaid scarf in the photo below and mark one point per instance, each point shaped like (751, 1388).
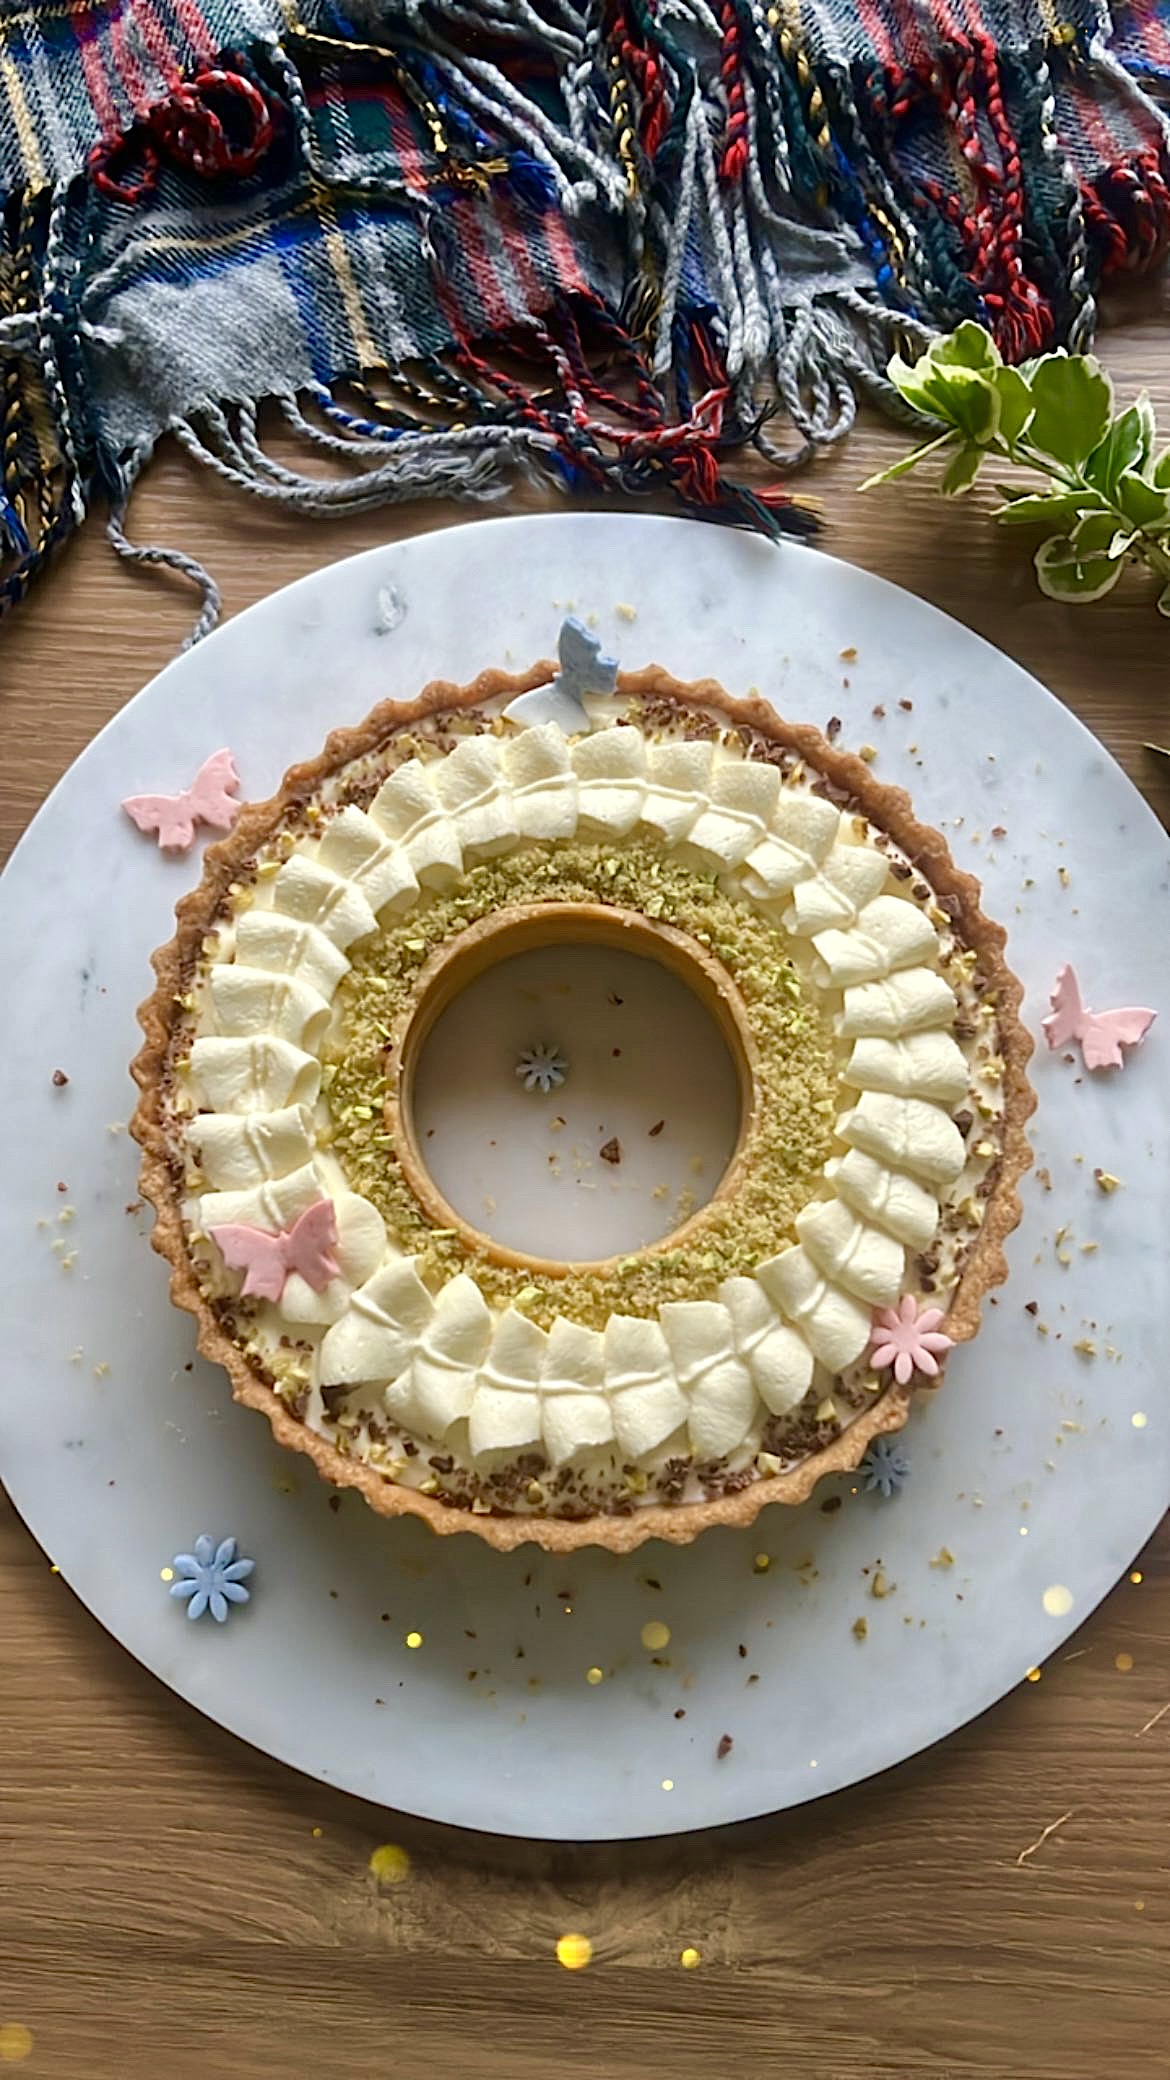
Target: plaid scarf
(603, 241)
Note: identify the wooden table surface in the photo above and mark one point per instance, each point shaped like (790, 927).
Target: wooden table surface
(176, 1907)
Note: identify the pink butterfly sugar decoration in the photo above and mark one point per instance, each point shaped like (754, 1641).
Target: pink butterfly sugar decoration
(207, 800)
(909, 1339)
(268, 1260)
(1102, 1034)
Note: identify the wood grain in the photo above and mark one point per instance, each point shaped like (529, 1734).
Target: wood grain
(167, 1910)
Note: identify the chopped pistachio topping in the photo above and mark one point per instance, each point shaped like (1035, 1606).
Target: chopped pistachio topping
(789, 1136)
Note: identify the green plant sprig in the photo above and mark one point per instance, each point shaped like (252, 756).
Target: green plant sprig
(1108, 496)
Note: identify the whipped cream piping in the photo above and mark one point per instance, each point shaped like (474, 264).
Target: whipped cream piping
(704, 1368)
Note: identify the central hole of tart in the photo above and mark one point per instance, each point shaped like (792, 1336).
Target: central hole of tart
(574, 1084)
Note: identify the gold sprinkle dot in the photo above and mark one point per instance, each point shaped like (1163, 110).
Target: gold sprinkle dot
(1034, 1674)
(317, 1833)
(166, 1574)
(414, 1639)
(595, 1675)
(16, 2042)
(574, 1952)
(1058, 1601)
(390, 1864)
(1139, 1906)
(762, 1562)
(1137, 1575)
(668, 1783)
(1139, 1420)
(690, 1959)
(1124, 1662)
(54, 1569)
(655, 1635)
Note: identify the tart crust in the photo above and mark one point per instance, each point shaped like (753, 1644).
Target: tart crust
(888, 808)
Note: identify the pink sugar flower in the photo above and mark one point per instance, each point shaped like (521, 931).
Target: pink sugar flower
(908, 1339)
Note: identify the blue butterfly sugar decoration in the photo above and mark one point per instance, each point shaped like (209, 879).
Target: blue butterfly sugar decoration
(583, 670)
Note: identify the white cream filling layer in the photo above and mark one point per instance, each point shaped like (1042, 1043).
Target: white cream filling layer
(705, 1373)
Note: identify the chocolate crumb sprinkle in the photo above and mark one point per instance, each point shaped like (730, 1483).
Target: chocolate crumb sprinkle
(657, 1129)
(612, 1151)
(59, 1079)
(724, 1748)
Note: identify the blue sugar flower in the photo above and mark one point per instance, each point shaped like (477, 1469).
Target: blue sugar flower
(885, 1467)
(542, 1068)
(211, 1578)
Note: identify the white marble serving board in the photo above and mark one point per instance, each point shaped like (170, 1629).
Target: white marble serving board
(1030, 1468)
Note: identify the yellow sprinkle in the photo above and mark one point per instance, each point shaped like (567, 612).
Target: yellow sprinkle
(166, 1574)
(868, 752)
(625, 612)
(1124, 1662)
(1137, 1575)
(595, 1675)
(574, 1952)
(389, 1864)
(690, 1959)
(1058, 1601)
(414, 1639)
(861, 1628)
(655, 1635)
(1034, 1674)
(668, 1783)
(317, 1833)
(943, 1558)
(1139, 1420)
(54, 1569)
(762, 1563)
(1063, 876)
(879, 1586)
(1106, 1182)
(16, 2042)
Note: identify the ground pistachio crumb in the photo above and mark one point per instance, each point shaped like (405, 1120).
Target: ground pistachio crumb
(791, 1131)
